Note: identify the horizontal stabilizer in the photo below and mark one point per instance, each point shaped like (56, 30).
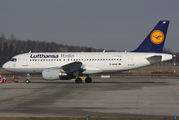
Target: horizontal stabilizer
(154, 59)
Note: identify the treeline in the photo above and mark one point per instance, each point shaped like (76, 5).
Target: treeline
(10, 47)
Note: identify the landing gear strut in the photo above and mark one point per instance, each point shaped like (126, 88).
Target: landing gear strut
(27, 78)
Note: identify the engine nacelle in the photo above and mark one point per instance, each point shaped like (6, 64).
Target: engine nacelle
(52, 74)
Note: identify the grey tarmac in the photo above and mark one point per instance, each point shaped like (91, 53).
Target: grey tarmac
(102, 98)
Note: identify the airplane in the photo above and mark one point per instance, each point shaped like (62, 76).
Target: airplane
(69, 65)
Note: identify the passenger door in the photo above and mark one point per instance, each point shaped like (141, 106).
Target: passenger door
(25, 61)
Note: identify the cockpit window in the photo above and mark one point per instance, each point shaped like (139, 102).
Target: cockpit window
(13, 60)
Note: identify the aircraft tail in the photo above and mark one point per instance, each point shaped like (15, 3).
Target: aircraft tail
(154, 42)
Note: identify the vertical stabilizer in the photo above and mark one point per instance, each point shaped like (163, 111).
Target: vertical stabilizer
(154, 42)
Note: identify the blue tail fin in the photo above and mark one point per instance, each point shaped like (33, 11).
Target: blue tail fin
(154, 42)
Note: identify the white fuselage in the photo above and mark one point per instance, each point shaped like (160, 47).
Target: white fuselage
(92, 62)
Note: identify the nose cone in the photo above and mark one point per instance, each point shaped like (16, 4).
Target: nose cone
(8, 67)
(5, 66)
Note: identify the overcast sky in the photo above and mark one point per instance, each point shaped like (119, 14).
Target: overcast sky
(106, 24)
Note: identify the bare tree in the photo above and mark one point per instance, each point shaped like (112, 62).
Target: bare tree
(12, 37)
(2, 36)
(167, 50)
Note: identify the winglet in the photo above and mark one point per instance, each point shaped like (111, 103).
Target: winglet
(154, 42)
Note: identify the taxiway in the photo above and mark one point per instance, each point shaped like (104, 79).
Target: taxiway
(102, 98)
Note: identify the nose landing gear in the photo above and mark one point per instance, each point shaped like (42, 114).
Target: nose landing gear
(27, 78)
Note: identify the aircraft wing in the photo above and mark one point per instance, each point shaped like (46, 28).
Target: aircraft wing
(68, 68)
(72, 67)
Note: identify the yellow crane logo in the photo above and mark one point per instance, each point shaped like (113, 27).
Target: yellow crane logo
(157, 37)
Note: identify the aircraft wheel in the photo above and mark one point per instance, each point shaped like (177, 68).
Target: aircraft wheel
(88, 80)
(78, 80)
(27, 81)
(27, 78)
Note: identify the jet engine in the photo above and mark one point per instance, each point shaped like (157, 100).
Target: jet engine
(52, 74)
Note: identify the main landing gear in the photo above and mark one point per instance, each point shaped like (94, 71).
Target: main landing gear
(87, 80)
(78, 80)
(27, 78)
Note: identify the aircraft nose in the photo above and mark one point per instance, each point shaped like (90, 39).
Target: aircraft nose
(5, 66)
